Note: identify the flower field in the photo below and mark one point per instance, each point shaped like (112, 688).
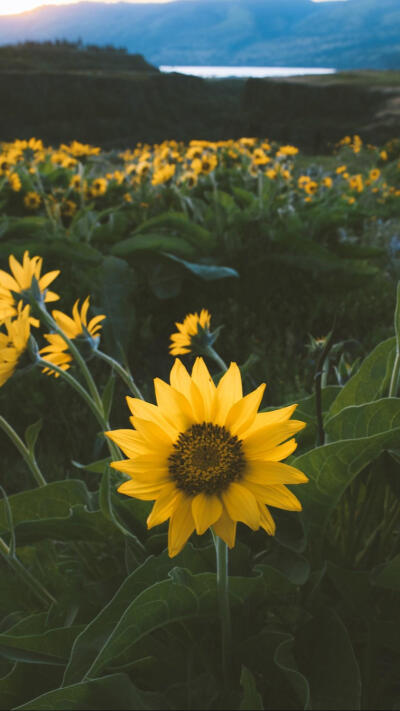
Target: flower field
(174, 534)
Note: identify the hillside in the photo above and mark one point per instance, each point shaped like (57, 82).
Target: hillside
(351, 35)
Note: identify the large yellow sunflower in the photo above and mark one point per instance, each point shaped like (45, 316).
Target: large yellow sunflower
(76, 327)
(207, 457)
(14, 342)
(20, 281)
(193, 325)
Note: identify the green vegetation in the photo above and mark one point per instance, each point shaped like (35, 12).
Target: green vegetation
(297, 257)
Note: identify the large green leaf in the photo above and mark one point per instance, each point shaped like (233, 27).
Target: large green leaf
(371, 380)
(116, 287)
(326, 657)
(208, 272)
(183, 597)
(95, 635)
(26, 680)
(364, 420)
(53, 500)
(79, 525)
(50, 647)
(388, 575)
(108, 693)
(285, 661)
(332, 467)
(153, 242)
(178, 224)
(251, 698)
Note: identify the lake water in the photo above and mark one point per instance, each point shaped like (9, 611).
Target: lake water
(245, 72)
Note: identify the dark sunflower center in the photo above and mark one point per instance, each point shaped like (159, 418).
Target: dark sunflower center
(206, 459)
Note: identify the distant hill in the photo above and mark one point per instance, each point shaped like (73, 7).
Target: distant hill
(345, 35)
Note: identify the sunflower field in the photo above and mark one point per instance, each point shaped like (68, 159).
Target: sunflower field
(173, 533)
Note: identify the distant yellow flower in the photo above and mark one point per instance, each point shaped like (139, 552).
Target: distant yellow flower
(14, 342)
(14, 288)
(374, 174)
(341, 169)
(327, 182)
(259, 157)
(311, 187)
(287, 151)
(15, 182)
(32, 200)
(163, 174)
(194, 327)
(356, 183)
(127, 197)
(74, 328)
(98, 187)
(303, 180)
(271, 173)
(383, 155)
(207, 457)
(68, 208)
(75, 182)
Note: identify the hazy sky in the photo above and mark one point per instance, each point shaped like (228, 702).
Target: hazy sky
(12, 7)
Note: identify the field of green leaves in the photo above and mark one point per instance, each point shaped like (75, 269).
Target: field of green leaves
(266, 575)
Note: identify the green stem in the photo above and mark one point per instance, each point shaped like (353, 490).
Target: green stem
(124, 374)
(35, 586)
(217, 358)
(28, 456)
(51, 323)
(221, 550)
(97, 411)
(395, 376)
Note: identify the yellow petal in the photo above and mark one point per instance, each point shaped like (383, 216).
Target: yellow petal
(21, 275)
(151, 413)
(229, 391)
(278, 496)
(271, 473)
(263, 419)
(8, 282)
(164, 506)
(129, 441)
(181, 525)
(206, 510)
(266, 520)
(242, 414)
(145, 492)
(241, 505)
(225, 528)
(206, 386)
(46, 279)
(66, 323)
(142, 474)
(173, 405)
(263, 440)
(155, 435)
(180, 379)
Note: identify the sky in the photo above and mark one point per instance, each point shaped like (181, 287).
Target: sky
(13, 7)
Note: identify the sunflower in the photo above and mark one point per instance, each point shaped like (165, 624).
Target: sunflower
(194, 327)
(14, 342)
(207, 457)
(32, 200)
(20, 282)
(76, 327)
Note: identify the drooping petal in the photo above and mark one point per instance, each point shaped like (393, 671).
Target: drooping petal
(165, 505)
(266, 520)
(206, 510)
(241, 505)
(278, 496)
(181, 525)
(264, 419)
(225, 528)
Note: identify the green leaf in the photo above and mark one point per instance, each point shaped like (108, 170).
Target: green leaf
(388, 575)
(97, 467)
(32, 433)
(10, 523)
(251, 697)
(115, 691)
(371, 380)
(397, 319)
(208, 272)
(154, 243)
(79, 525)
(106, 495)
(53, 500)
(50, 647)
(285, 661)
(365, 420)
(331, 469)
(94, 636)
(327, 659)
(165, 280)
(182, 226)
(116, 288)
(25, 681)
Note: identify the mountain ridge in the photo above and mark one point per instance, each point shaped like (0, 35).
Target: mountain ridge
(351, 35)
